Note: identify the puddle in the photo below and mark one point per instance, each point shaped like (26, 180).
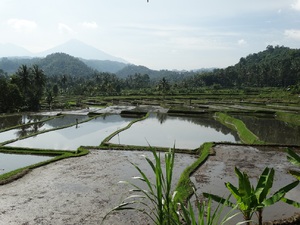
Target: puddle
(10, 162)
(90, 133)
(165, 131)
(217, 170)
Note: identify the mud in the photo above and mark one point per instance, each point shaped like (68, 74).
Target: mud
(77, 190)
(219, 169)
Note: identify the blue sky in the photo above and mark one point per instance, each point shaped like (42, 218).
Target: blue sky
(161, 34)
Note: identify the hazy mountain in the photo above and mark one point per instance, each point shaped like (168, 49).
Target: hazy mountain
(105, 65)
(11, 64)
(11, 50)
(81, 50)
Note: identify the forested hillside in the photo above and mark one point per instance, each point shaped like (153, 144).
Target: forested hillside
(274, 67)
(61, 63)
(11, 65)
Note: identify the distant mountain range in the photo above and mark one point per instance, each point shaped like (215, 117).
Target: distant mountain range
(11, 50)
(77, 59)
(73, 47)
(81, 50)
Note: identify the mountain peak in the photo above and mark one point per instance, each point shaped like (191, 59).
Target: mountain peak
(11, 50)
(79, 49)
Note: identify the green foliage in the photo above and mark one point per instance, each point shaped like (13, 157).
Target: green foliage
(252, 200)
(10, 96)
(162, 209)
(159, 201)
(61, 63)
(274, 67)
(184, 187)
(31, 82)
(293, 157)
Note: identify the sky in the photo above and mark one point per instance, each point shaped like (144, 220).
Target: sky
(159, 34)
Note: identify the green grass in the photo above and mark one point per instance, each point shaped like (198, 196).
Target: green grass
(244, 133)
(185, 186)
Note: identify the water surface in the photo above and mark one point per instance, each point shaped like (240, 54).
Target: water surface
(10, 162)
(15, 120)
(268, 129)
(165, 131)
(90, 133)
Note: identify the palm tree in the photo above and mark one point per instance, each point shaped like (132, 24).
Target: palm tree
(38, 76)
(163, 86)
(24, 74)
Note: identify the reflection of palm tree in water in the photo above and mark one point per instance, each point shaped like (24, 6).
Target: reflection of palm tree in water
(162, 117)
(29, 129)
(36, 127)
(23, 131)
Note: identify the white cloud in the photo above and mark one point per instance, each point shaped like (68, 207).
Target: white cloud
(296, 5)
(65, 29)
(90, 25)
(21, 25)
(242, 42)
(293, 34)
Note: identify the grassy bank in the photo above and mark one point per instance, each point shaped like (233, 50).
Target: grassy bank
(237, 125)
(105, 142)
(185, 186)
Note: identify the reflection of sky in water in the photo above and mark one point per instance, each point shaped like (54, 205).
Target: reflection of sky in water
(10, 162)
(184, 132)
(38, 127)
(91, 133)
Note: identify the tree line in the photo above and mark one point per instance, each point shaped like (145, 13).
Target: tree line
(29, 85)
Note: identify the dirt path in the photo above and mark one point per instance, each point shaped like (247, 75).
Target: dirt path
(76, 191)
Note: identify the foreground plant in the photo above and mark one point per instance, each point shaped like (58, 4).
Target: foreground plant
(159, 202)
(294, 158)
(252, 200)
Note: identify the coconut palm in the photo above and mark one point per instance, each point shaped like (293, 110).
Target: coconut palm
(24, 78)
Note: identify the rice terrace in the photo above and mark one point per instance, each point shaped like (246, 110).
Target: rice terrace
(63, 166)
(210, 135)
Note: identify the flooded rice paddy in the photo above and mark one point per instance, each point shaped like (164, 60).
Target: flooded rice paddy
(184, 132)
(90, 133)
(19, 119)
(81, 190)
(78, 190)
(31, 124)
(270, 130)
(10, 162)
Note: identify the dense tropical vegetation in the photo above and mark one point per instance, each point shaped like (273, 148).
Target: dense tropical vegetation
(37, 80)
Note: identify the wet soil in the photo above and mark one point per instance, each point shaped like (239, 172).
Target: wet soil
(218, 169)
(77, 190)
